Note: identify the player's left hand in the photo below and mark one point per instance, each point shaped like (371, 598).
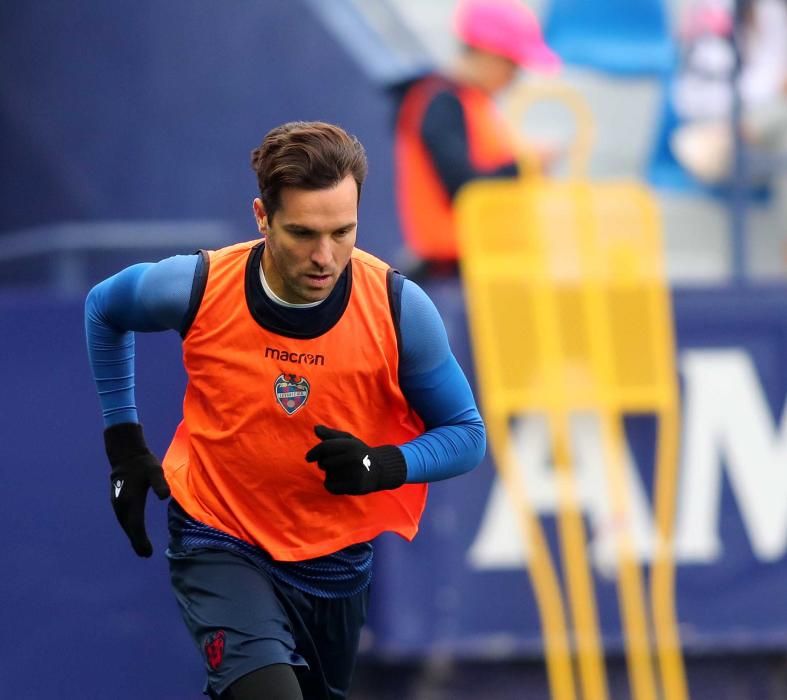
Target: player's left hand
(352, 467)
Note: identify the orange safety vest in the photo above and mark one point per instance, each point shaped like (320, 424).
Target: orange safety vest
(253, 398)
(424, 204)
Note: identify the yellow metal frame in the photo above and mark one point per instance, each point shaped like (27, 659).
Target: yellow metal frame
(579, 266)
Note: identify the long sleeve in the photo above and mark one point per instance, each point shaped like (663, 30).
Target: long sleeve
(146, 297)
(436, 387)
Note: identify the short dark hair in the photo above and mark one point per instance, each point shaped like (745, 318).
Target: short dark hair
(306, 155)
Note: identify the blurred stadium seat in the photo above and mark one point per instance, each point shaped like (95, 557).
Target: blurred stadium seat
(619, 37)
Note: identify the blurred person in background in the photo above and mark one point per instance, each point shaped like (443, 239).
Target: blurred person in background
(704, 89)
(449, 130)
(272, 510)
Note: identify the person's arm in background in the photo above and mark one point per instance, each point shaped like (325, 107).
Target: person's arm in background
(444, 133)
(145, 297)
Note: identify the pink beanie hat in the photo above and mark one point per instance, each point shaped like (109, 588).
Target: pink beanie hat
(507, 28)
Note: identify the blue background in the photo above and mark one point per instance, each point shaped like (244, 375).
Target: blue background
(76, 596)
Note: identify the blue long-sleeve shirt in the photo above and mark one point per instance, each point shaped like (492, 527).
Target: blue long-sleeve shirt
(157, 296)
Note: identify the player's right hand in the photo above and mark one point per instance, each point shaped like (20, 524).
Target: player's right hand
(135, 469)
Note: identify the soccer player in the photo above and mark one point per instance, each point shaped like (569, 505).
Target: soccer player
(322, 396)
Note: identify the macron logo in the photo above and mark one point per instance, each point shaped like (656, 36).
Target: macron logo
(299, 358)
(118, 484)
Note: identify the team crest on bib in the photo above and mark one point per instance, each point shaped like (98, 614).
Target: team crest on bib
(291, 392)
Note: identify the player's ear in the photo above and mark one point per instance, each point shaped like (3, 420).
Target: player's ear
(259, 215)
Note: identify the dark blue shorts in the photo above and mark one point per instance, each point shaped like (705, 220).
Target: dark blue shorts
(242, 619)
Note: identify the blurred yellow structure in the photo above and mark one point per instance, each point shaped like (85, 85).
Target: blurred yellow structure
(569, 312)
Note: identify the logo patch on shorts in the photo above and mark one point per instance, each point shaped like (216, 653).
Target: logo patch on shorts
(291, 392)
(214, 649)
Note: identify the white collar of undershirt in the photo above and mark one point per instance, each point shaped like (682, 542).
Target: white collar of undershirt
(278, 300)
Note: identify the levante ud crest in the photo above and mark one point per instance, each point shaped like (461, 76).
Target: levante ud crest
(291, 392)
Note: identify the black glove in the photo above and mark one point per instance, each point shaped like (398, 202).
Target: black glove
(352, 467)
(134, 469)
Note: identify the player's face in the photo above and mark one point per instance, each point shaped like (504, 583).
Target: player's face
(309, 241)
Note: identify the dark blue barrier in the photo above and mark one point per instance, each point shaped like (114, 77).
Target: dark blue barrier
(83, 617)
(474, 598)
